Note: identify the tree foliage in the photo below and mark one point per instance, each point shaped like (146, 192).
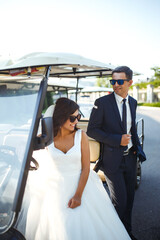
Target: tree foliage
(155, 80)
(48, 100)
(103, 82)
(156, 72)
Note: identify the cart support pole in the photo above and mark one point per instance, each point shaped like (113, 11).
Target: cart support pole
(77, 89)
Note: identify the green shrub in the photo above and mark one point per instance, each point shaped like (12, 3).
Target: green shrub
(155, 83)
(157, 104)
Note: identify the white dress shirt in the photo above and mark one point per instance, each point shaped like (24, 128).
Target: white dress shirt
(119, 101)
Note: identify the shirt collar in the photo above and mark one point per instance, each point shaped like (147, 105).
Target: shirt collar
(119, 98)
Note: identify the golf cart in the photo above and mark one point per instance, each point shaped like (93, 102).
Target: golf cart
(23, 87)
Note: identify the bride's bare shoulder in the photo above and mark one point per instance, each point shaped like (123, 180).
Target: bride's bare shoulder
(84, 136)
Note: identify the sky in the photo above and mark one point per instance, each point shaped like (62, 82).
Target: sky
(120, 32)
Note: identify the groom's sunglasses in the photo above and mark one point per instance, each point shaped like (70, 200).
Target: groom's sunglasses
(119, 81)
(73, 118)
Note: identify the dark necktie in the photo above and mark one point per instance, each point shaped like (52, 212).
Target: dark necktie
(124, 116)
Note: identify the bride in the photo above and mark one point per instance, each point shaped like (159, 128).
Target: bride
(64, 199)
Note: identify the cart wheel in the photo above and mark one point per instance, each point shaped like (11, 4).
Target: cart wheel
(12, 234)
(138, 174)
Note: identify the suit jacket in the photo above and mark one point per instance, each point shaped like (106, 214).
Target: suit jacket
(105, 126)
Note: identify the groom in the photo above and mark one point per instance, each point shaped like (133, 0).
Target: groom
(112, 122)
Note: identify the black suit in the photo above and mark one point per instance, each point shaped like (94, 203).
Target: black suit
(105, 126)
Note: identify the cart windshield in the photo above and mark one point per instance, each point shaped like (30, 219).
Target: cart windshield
(17, 106)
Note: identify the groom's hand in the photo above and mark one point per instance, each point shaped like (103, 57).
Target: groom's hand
(125, 139)
(74, 202)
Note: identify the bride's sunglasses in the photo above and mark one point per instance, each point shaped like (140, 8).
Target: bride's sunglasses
(119, 81)
(73, 118)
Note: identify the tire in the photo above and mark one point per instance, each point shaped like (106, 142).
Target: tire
(12, 234)
(138, 174)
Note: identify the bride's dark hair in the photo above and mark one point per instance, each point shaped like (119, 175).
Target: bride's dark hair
(64, 107)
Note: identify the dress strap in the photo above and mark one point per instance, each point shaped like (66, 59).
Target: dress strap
(78, 136)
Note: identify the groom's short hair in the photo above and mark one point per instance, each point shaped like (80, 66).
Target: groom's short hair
(125, 69)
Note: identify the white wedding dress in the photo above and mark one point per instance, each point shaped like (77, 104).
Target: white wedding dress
(45, 214)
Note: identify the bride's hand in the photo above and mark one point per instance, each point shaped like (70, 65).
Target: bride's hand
(74, 202)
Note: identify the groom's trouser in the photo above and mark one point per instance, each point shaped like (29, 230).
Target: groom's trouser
(122, 188)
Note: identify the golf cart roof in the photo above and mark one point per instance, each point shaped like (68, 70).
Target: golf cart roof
(62, 65)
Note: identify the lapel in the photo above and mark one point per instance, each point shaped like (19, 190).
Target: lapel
(116, 110)
(131, 108)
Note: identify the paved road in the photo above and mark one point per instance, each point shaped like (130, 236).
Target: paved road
(146, 212)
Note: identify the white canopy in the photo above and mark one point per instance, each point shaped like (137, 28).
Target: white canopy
(4, 62)
(62, 65)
